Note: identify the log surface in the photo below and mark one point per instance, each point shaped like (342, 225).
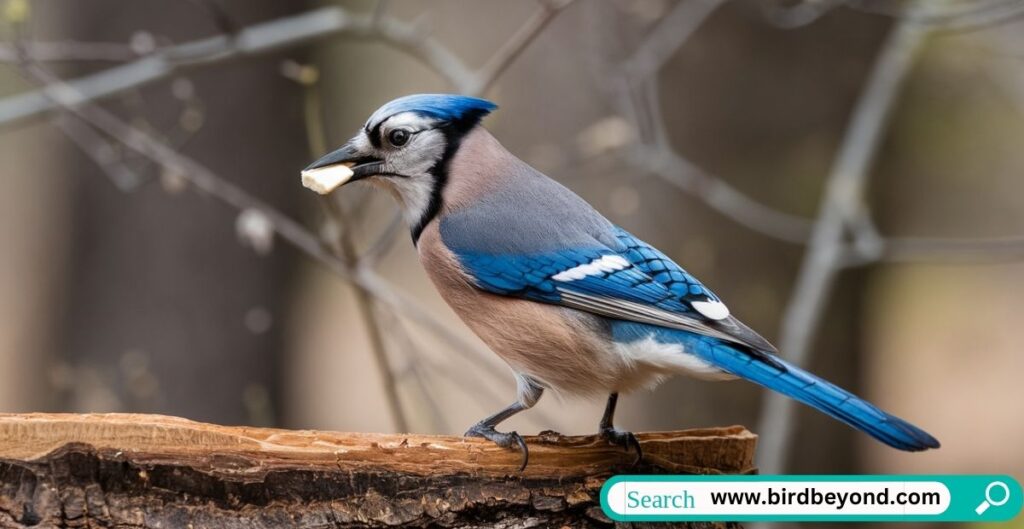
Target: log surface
(122, 470)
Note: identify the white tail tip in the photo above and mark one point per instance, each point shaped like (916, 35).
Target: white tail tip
(711, 309)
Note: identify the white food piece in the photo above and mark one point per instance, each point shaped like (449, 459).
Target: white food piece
(323, 180)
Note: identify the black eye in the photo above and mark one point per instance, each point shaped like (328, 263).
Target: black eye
(398, 137)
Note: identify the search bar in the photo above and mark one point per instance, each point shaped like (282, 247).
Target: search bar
(808, 498)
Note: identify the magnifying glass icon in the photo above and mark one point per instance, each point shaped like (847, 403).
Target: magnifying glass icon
(989, 502)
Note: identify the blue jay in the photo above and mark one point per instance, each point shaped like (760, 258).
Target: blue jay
(569, 300)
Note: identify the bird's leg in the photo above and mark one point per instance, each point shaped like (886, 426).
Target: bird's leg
(617, 437)
(485, 429)
(529, 393)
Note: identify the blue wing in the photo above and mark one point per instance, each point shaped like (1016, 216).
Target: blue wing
(662, 269)
(627, 279)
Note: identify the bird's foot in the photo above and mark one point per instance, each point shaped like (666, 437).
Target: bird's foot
(502, 439)
(624, 439)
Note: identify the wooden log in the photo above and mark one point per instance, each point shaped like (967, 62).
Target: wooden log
(128, 471)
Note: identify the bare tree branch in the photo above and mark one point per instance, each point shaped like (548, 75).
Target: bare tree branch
(409, 38)
(220, 18)
(345, 249)
(826, 249)
(282, 33)
(69, 98)
(100, 151)
(511, 49)
(721, 196)
(70, 51)
(788, 15)
(662, 160)
(413, 369)
(945, 14)
(208, 182)
(638, 97)
(253, 40)
(1005, 16)
(667, 37)
(952, 251)
(384, 241)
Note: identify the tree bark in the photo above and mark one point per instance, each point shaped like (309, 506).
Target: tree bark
(125, 470)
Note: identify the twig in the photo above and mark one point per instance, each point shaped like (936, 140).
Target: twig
(68, 96)
(413, 367)
(345, 249)
(100, 151)
(220, 18)
(797, 15)
(654, 153)
(208, 182)
(70, 51)
(383, 242)
(253, 40)
(673, 30)
(379, 10)
(474, 84)
(409, 39)
(281, 33)
(943, 16)
(826, 249)
(958, 27)
(503, 58)
(952, 251)
(720, 196)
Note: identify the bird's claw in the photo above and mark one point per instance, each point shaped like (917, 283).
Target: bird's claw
(502, 439)
(624, 439)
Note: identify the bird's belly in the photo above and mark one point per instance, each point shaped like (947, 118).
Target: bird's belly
(572, 352)
(559, 349)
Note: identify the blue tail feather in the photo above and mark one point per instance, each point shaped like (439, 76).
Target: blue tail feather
(779, 375)
(821, 395)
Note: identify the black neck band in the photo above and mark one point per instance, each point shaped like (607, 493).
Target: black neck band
(454, 132)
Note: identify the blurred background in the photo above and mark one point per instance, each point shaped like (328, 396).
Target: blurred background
(845, 174)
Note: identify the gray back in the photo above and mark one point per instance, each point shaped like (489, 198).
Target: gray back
(526, 213)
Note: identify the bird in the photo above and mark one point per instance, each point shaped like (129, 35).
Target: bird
(570, 301)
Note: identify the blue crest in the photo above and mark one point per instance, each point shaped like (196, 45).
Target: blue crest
(447, 107)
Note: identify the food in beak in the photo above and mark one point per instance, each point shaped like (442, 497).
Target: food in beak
(323, 180)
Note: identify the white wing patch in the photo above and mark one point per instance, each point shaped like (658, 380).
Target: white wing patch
(603, 264)
(714, 310)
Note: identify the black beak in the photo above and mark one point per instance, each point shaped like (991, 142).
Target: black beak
(362, 166)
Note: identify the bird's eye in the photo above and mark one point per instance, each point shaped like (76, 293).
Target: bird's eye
(398, 137)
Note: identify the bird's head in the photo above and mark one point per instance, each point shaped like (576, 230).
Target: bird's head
(404, 147)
